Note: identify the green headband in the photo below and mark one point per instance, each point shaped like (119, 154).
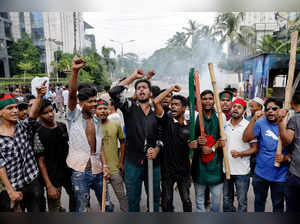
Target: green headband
(102, 102)
(226, 95)
(6, 102)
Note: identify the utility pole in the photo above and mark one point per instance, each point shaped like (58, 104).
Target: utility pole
(75, 32)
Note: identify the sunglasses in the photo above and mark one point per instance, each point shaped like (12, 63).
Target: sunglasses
(273, 108)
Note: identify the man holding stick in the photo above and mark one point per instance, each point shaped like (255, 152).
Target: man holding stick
(266, 175)
(86, 156)
(175, 165)
(290, 135)
(208, 158)
(142, 141)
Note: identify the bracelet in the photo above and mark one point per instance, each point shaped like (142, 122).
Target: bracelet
(105, 166)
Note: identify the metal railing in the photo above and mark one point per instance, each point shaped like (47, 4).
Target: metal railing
(27, 82)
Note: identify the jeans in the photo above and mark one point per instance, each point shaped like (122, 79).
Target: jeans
(134, 176)
(216, 197)
(116, 182)
(293, 193)
(54, 205)
(261, 188)
(183, 183)
(241, 183)
(82, 183)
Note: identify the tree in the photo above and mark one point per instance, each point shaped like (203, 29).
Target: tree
(25, 67)
(24, 51)
(229, 25)
(178, 40)
(110, 63)
(191, 30)
(269, 45)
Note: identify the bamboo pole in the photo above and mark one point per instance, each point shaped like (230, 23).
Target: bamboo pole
(199, 103)
(220, 118)
(288, 88)
(103, 195)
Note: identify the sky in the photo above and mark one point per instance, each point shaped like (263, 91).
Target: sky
(150, 32)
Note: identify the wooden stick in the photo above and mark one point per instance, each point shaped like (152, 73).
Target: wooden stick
(220, 118)
(199, 107)
(103, 195)
(288, 88)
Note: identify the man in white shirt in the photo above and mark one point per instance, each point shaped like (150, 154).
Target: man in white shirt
(238, 157)
(86, 157)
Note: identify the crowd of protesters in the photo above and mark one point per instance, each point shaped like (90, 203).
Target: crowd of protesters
(114, 136)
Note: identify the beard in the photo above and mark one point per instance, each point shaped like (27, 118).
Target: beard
(236, 116)
(143, 100)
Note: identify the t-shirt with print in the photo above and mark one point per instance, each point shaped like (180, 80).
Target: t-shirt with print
(294, 124)
(113, 132)
(267, 137)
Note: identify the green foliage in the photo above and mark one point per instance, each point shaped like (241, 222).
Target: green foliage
(228, 25)
(24, 51)
(27, 66)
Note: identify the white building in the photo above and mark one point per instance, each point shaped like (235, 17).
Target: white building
(50, 31)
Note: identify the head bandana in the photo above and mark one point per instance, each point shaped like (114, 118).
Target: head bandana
(102, 102)
(240, 101)
(6, 100)
(226, 95)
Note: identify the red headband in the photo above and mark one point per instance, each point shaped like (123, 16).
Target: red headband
(240, 101)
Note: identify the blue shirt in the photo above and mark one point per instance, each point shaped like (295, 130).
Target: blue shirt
(267, 137)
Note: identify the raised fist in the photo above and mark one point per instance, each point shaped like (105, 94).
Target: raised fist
(177, 88)
(78, 63)
(139, 73)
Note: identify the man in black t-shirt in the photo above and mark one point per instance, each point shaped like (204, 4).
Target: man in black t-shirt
(52, 154)
(290, 136)
(175, 166)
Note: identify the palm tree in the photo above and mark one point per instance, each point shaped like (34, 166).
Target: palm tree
(232, 32)
(191, 30)
(268, 45)
(25, 66)
(178, 40)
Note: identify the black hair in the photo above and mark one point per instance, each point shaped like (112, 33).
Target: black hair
(22, 106)
(67, 86)
(45, 103)
(234, 89)
(86, 93)
(11, 89)
(83, 86)
(106, 88)
(296, 98)
(29, 97)
(205, 92)
(182, 99)
(143, 80)
(155, 91)
(274, 100)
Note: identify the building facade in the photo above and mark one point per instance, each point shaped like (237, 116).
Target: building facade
(50, 31)
(5, 38)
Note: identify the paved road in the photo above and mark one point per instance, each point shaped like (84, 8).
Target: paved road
(177, 201)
